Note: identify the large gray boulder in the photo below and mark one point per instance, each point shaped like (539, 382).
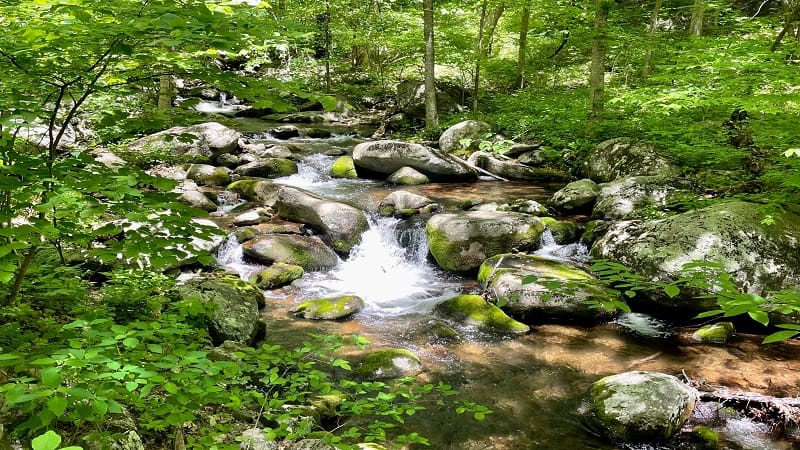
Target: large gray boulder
(207, 175)
(625, 157)
(559, 293)
(403, 203)
(577, 196)
(462, 241)
(512, 170)
(198, 143)
(235, 315)
(473, 130)
(340, 225)
(638, 406)
(308, 252)
(758, 256)
(386, 157)
(411, 99)
(619, 198)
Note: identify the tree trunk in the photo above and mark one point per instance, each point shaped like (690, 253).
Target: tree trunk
(597, 72)
(476, 80)
(166, 92)
(523, 43)
(494, 19)
(328, 83)
(698, 11)
(651, 39)
(431, 110)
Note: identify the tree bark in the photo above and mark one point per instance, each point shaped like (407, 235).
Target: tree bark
(523, 43)
(597, 71)
(494, 19)
(651, 39)
(696, 24)
(328, 84)
(476, 79)
(431, 110)
(166, 92)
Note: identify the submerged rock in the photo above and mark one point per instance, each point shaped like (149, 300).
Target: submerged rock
(388, 363)
(473, 310)
(277, 275)
(386, 157)
(638, 406)
(625, 157)
(308, 252)
(578, 196)
(331, 308)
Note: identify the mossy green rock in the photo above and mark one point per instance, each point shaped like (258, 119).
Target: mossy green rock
(462, 241)
(267, 168)
(277, 275)
(388, 363)
(705, 438)
(638, 406)
(308, 252)
(563, 231)
(263, 192)
(407, 176)
(204, 174)
(343, 167)
(715, 333)
(331, 308)
(473, 310)
(559, 292)
(578, 196)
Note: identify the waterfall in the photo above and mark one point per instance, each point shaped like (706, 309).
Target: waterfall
(574, 252)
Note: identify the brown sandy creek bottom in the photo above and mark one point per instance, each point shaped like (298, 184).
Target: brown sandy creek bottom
(535, 382)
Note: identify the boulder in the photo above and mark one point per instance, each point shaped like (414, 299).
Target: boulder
(525, 206)
(473, 310)
(228, 160)
(263, 192)
(715, 333)
(285, 132)
(344, 167)
(563, 231)
(196, 143)
(619, 198)
(513, 170)
(332, 308)
(339, 224)
(407, 176)
(472, 130)
(402, 203)
(555, 291)
(759, 257)
(252, 217)
(625, 157)
(235, 316)
(318, 133)
(204, 174)
(638, 406)
(274, 226)
(267, 168)
(411, 99)
(264, 150)
(578, 196)
(197, 199)
(386, 157)
(308, 252)
(277, 275)
(388, 363)
(462, 241)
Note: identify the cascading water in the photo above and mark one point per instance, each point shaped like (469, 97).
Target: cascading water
(575, 252)
(314, 175)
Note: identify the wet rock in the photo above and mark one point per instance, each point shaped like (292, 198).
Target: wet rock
(285, 132)
(277, 275)
(388, 363)
(228, 160)
(386, 157)
(253, 217)
(462, 241)
(197, 199)
(625, 157)
(472, 130)
(705, 438)
(196, 143)
(331, 308)
(308, 252)
(207, 175)
(473, 310)
(318, 133)
(272, 227)
(638, 406)
(715, 333)
(235, 316)
(556, 291)
(524, 206)
(339, 224)
(578, 196)
(619, 198)
(402, 203)
(343, 167)
(263, 192)
(513, 170)
(563, 231)
(407, 176)
(267, 168)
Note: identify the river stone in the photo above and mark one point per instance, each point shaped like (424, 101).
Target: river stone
(758, 256)
(274, 226)
(563, 231)
(228, 160)
(204, 174)
(197, 143)
(473, 130)
(638, 406)
(308, 252)
(407, 176)
(473, 310)
(402, 203)
(263, 192)
(625, 157)
(339, 224)
(386, 157)
(267, 168)
(715, 333)
(525, 206)
(277, 275)
(619, 198)
(235, 316)
(252, 217)
(285, 132)
(578, 196)
(388, 363)
(331, 308)
(197, 199)
(462, 241)
(558, 293)
(343, 167)
(513, 170)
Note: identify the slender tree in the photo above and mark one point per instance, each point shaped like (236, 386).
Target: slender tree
(651, 38)
(487, 24)
(523, 43)
(696, 23)
(431, 109)
(597, 70)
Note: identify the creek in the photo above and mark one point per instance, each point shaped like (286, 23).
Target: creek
(533, 383)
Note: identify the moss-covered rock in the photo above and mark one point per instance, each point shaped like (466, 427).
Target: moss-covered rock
(308, 252)
(525, 206)
(267, 168)
(204, 174)
(705, 438)
(261, 191)
(402, 204)
(208, 140)
(407, 176)
(625, 157)
(277, 275)
(473, 310)
(472, 132)
(462, 241)
(331, 308)
(638, 406)
(620, 198)
(578, 196)
(715, 333)
(388, 363)
(343, 167)
(563, 231)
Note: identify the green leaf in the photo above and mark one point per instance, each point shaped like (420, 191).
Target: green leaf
(671, 290)
(48, 441)
(131, 385)
(130, 342)
(57, 405)
(51, 376)
(780, 336)
(342, 364)
(171, 387)
(713, 312)
(759, 316)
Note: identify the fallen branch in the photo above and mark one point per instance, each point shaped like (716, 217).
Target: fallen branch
(776, 411)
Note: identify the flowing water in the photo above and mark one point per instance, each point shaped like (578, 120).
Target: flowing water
(533, 383)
